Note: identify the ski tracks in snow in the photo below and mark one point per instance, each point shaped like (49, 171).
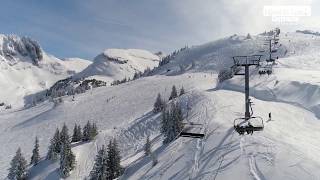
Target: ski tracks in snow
(251, 148)
(201, 142)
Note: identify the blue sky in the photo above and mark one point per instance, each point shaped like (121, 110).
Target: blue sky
(84, 28)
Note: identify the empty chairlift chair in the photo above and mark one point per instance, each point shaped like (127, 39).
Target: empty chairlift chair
(192, 130)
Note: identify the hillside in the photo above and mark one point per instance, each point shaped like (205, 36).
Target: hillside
(286, 149)
(26, 69)
(116, 64)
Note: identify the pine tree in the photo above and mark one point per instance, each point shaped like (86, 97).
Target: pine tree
(93, 131)
(99, 170)
(67, 158)
(18, 169)
(86, 132)
(77, 135)
(181, 91)
(114, 168)
(79, 132)
(64, 135)
(172, 123)
(35, 158)
(174, 93)
(57, 141)
(159, 105)
(177, 118)
(164, 120)
(147, 147)
(51, 155)
(54, 147)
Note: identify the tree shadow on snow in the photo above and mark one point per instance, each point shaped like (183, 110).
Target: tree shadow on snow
(45, 169)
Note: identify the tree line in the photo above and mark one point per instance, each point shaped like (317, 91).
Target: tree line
(172, 117)
(59, 149)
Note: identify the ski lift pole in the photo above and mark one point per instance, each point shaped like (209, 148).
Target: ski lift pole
(247, 100)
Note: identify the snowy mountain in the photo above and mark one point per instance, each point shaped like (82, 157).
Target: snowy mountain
(116, 64)
(27, 69)
(76, 64)
(288, 147)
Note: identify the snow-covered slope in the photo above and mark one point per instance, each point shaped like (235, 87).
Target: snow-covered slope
(26, 69)
(288, 147)
(76, 64)
(116, 64)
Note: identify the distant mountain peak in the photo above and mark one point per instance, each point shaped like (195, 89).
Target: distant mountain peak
(14, 48)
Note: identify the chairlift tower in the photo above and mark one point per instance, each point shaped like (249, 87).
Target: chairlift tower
(273, 40)
(246, 62)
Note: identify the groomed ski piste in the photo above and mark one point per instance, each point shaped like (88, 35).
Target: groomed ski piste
(287, 148)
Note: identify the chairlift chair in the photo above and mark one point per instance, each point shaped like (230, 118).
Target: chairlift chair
(192, 130)
(270, 60)
(242, 125)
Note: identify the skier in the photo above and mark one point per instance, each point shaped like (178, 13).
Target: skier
(269, 116)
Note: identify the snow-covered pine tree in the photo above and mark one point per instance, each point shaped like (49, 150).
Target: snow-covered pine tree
(93, 131)
(51, 155)
(174, 93)
(164, 120)
(35, 158)
(166, 126)
(99, 170)
(86, 132)
(172, 123)
(75, 133)
(248, 36)
(114, 168)
(67, 158)
(64, 135)
(79, 132)
(57, 141)
(159, 105)
(54, 147)
(181, 91)
(177, 117)
(147, 147)
(76, 137)
(18, 167)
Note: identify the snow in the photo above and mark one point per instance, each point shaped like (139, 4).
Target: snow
(116, 64)
(76, 64)
(20, 76)
(287, 148)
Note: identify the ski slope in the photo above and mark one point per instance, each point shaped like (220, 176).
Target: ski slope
(288, 147)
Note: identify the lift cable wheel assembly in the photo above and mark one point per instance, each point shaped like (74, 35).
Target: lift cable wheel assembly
(249, 123)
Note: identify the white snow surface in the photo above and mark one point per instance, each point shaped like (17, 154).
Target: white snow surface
(288, 147)
(76, 64)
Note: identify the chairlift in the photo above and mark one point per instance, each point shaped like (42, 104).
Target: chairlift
(248, 123)
(242, 125)
(192, 130)
(265, 69)
(270, 60)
